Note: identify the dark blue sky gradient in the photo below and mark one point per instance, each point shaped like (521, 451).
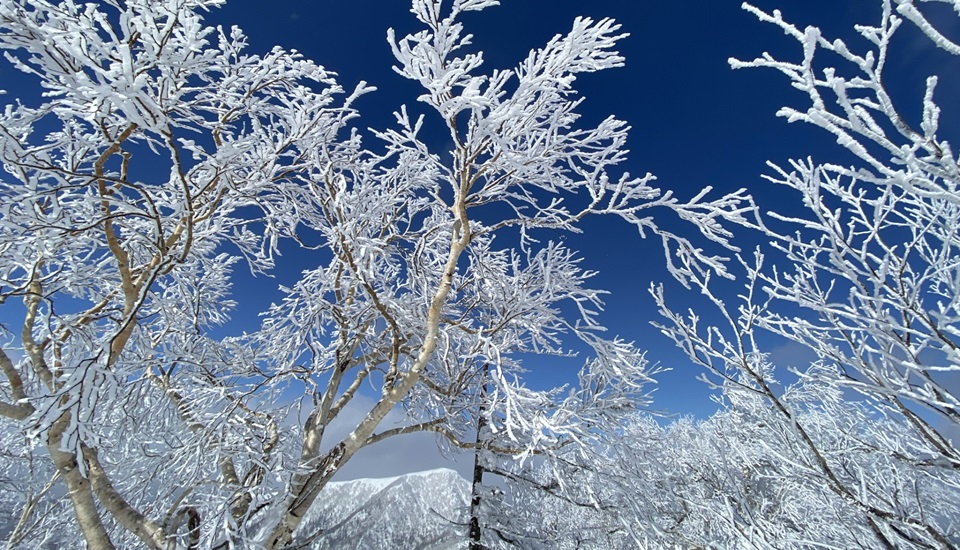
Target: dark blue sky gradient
(696, 122)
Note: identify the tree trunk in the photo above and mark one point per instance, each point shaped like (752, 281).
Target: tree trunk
(476, 534)
(308, 484)
(81, 492)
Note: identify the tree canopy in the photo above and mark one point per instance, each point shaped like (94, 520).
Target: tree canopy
(162, 157)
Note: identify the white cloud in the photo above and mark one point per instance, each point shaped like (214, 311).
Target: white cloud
(791, 354)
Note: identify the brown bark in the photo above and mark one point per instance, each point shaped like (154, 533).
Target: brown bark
(80, 490)
(146, 530)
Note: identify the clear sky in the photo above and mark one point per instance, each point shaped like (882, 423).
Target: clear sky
(696, 122)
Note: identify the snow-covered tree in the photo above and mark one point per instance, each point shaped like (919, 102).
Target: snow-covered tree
(162, 156)
(444, 280)
(552, 501)
(159, 156)
(866, 278)
(743, 478)
(570, 501)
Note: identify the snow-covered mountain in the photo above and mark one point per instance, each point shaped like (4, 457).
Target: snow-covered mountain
(425, 510)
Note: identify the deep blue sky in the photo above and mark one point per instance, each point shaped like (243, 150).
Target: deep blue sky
(695, 121)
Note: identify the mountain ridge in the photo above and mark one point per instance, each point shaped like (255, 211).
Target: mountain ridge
(425, 510)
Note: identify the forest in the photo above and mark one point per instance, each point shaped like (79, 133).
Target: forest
(159, 172)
